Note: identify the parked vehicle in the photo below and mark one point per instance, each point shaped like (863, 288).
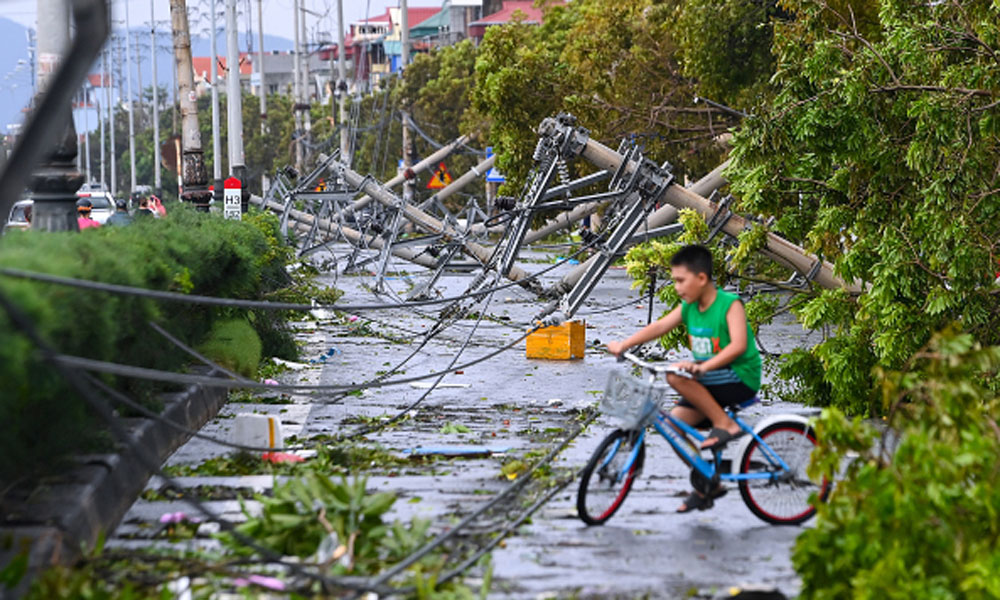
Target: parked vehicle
(18, 218)
(104, 204)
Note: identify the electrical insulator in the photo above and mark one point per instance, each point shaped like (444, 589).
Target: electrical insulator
(505, 202)
(563, 169)
(539, 150)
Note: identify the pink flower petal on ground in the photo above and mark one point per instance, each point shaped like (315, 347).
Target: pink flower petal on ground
(281, 457)
(174, 517)
(270, 382)
(352, 318)
(271, 583)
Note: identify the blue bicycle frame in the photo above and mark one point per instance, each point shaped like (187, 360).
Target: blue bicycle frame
(662, 424)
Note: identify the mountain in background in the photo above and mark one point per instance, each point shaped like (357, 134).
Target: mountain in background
(16, 85)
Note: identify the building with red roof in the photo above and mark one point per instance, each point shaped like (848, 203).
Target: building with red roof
(512, 11)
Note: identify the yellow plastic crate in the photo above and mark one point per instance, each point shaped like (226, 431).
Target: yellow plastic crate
(561, 342)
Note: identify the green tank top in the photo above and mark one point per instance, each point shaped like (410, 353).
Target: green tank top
(708, 333)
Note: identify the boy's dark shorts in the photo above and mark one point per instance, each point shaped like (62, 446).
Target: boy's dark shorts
(727, 395)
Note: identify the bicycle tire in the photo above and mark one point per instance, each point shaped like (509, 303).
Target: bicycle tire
(600, 461)
(782, 502)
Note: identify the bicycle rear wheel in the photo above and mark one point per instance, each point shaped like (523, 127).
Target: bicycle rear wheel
(784, 498)
(608, 477)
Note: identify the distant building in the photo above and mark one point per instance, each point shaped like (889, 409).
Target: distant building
(279, 72)
(449, 26)
(375, 44)
(512, 11)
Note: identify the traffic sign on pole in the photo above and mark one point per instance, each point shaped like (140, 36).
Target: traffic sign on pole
(493, 176)
(231, 199)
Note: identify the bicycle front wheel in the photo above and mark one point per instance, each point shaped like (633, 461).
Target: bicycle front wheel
(608, 476)
(782, 498)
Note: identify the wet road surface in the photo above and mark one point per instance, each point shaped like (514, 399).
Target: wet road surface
(520, 408)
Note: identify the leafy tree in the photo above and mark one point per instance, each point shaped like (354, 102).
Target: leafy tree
(919, 522)
(725, 47)
(880, 154)
(612, 64)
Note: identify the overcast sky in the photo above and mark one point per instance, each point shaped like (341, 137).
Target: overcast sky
(277, 13)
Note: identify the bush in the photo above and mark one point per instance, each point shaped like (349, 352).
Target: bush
(233, 344)
(189, 253)
(923, 522)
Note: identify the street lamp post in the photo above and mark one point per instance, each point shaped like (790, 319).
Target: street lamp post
(54, 183)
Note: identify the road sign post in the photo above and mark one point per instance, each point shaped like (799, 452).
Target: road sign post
(232, 199)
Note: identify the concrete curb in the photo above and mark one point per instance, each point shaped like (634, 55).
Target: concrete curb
(63, 518)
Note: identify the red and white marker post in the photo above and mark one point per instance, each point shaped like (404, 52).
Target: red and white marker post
(232, 199)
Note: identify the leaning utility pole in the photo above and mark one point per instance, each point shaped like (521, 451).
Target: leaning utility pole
(157, 180)
(216, 141)
(342, 86)
(404, 61)
(129, 105)
(234, 100)
(193, 160)
(54, 182)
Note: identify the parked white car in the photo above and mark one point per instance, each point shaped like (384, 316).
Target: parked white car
(18, 218)
(104, 204)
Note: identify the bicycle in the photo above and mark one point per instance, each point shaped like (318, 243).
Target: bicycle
(770, 472)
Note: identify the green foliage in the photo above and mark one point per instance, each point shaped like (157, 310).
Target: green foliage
(312, 510)
(725, 47)
(187, 252)
(613, 65)
(879, 154)
(234, 344)
(922, 522)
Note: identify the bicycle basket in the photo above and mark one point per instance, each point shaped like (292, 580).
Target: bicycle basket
(631, 400)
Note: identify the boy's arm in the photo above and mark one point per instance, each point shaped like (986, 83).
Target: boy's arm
(649, 332)
(736, 320)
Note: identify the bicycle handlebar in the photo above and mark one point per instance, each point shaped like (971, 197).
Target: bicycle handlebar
(652, 367)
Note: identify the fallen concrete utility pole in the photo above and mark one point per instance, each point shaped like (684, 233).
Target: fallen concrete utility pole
(459, 183)
(409, 254)
(422, 219)
(420, 167)
(703, 187)
(777, 249)
(553, 192)
(661, 217)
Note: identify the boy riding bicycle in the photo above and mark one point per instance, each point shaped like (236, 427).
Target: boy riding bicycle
(726, 366)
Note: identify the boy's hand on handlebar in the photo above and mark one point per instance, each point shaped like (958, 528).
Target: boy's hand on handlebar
(616, 348)
(691, 367)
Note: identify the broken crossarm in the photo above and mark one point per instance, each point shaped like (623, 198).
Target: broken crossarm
(661, 217)
(420, 167)
(410, 254)
(423, 220)
(777, 249)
